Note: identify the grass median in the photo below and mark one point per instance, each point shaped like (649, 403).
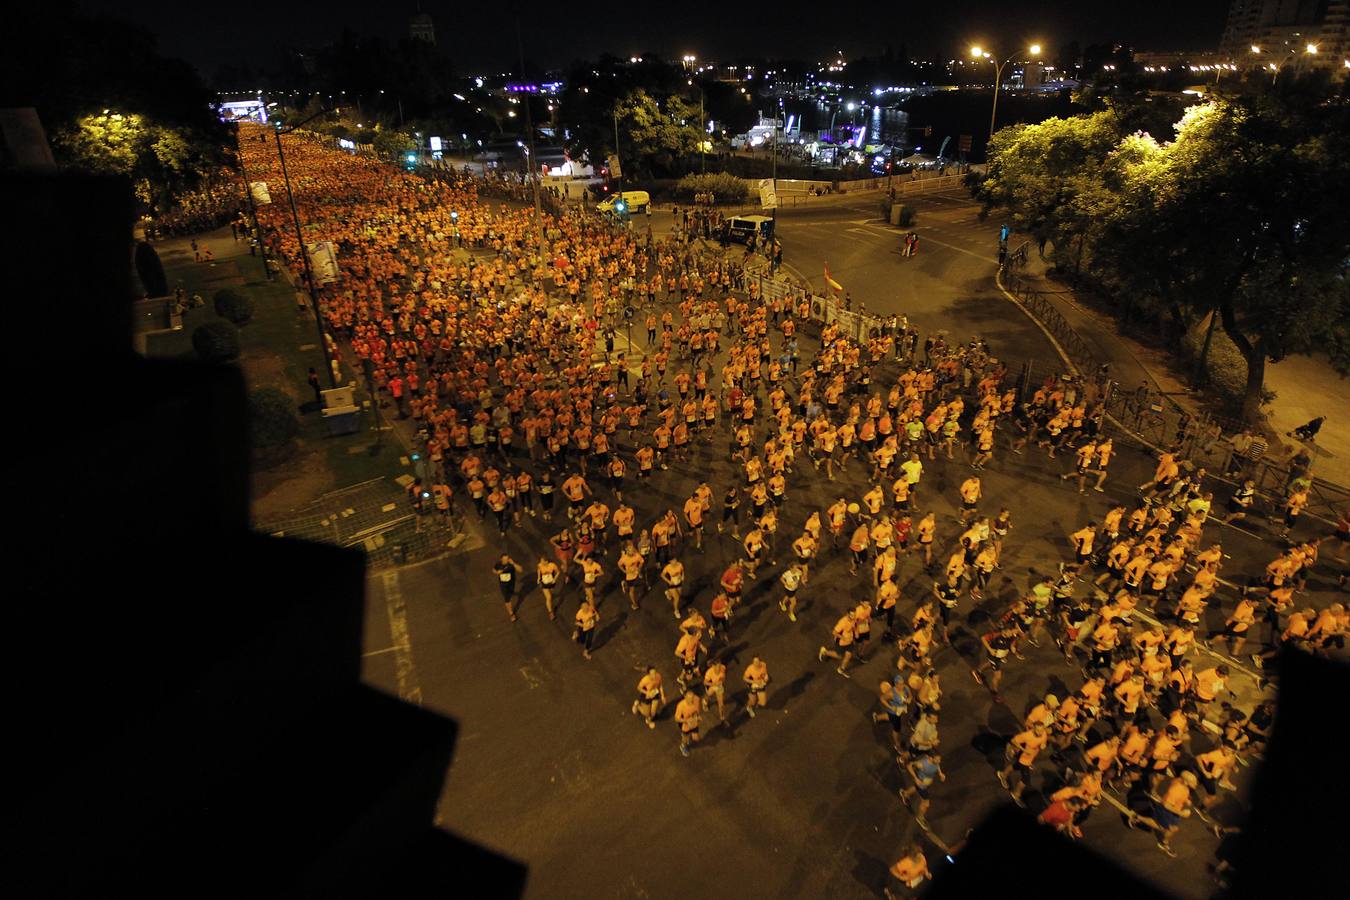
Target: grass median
(278, 345)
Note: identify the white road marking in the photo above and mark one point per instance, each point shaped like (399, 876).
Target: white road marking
(530, 678)
(924, 236)
(408, 687)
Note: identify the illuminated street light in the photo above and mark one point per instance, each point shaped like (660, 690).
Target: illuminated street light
(1309, 50)
(978, 52)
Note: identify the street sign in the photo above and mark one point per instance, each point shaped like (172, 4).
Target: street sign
(323, 261)
(768, 196)
(964, 146)
(615, 170)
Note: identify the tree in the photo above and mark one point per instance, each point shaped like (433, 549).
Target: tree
(1051, 175)
(1240, 215)
(110, 102)
(656, 138)
(233, 306)
(150, 270)
(1244, 214)
(216, 342)
(272, 422)
(391, 143)
(647, 97)
(160, 161)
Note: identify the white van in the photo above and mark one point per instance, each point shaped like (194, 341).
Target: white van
(637, 201)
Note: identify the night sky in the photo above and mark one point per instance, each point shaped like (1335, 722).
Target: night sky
(481, 37)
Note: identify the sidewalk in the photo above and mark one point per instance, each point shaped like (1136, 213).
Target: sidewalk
(277, 348)
(1305, 386)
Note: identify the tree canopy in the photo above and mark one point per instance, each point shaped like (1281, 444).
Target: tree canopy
(110, 102)
(657, 106)
(1240, 214)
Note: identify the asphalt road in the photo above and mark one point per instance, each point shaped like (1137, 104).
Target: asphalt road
(552, 768)
(947, 285)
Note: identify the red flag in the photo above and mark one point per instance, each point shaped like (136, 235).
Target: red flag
(838, 288)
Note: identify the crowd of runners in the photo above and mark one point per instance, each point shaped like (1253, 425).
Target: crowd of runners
(215, 202)
(574, 402)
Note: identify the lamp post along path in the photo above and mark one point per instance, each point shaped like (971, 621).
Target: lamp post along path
(304, 251)
(533, 160)
(977, 52)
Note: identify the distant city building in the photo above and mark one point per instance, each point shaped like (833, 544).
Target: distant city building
(1289, 27)
(1166, 60)
(422, 28)
(1028, 75)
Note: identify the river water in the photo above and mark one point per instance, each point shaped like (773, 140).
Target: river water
(888, 126)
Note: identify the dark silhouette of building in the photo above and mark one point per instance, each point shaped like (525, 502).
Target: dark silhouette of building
(1285, 28)
(190, 718)
(421, 27)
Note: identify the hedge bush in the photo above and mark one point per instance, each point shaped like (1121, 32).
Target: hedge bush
(724, 188)
(272, 421)
(232, 305)
(151, 271)
(216, 342)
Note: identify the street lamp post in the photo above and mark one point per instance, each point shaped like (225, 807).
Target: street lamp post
(616, 150)
(1277, 63)
(702, 123)
(304, 253)
(533, 159)
(978, 53)
(773, 174)
(252, 208)
(689, 59)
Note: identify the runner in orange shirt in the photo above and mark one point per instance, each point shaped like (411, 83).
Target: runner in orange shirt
(843, 633)
(756, 678)
(970, 498)
(910, 870)
(688, 713)
(1021, 754)
(693, 515)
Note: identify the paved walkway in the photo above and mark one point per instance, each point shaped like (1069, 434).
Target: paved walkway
(1305, 386)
